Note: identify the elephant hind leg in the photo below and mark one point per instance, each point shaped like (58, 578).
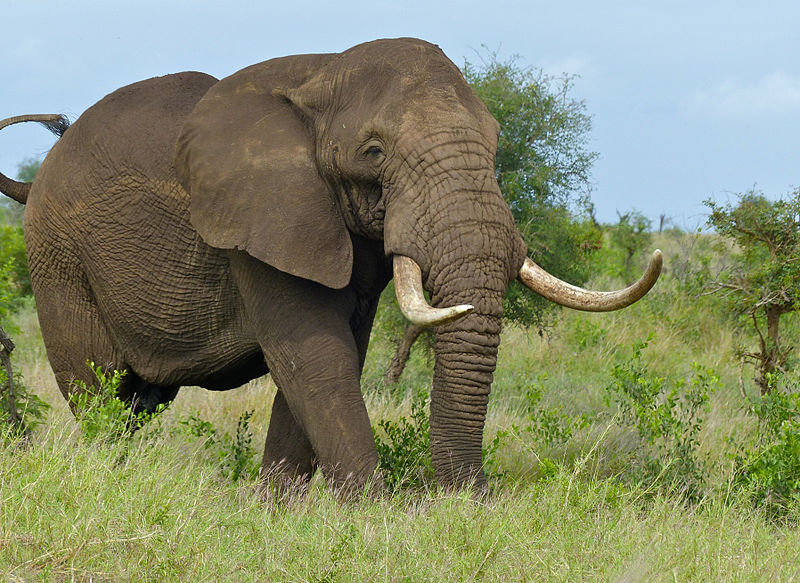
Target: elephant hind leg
(70, 361)
(289, 460)
(73, 331)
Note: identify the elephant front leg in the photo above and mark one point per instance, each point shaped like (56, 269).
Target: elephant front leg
(308, 344)
(332, 418)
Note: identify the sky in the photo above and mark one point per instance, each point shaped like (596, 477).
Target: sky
(689, 100)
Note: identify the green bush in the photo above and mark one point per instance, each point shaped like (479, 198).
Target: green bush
(15, 281)
(762, 281)
(544, 428)
(623, 245)
(667, 415)
(100, 413)
(403, 447)
(235, 454)
(29, 408)
(769, 469)
(549, 426)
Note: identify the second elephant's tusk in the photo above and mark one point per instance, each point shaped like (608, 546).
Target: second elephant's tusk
(411, 299)
(571, 296)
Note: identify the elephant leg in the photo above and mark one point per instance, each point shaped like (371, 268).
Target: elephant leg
(74, 334)
(289, 460)
(362, 328)
(304, 331)
(321, 387)
(72, 329)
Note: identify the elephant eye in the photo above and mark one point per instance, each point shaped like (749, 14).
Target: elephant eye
(373, 152)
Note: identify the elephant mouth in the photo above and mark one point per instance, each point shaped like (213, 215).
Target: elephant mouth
(365, 214)
(412, 302)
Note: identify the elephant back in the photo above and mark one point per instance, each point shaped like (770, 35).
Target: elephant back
(129, 133)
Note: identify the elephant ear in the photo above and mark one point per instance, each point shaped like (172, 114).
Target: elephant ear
(246, 157)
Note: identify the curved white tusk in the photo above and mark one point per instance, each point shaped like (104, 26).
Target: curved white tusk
(408, 287)
(565, 294)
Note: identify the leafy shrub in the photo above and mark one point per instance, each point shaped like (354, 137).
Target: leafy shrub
(624, 243)
(15, 282)
(769, 468)
(545, 427)
(100, 413)
(667, 416)
(235, 454)
(549, 426)
(403, 447)
(584, 333)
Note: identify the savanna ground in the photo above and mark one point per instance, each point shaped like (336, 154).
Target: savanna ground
(584, 487)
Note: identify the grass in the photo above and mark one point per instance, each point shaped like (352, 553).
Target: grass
(158, 513)
(158, 508)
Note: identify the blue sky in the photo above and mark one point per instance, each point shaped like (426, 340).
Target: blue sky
(689, 100)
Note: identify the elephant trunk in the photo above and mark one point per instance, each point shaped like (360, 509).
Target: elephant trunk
(468, 250)
(466, 355)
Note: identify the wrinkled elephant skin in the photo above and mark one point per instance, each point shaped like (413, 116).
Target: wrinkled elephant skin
(196, 231)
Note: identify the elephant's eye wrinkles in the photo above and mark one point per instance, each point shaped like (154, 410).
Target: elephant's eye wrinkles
(375, 153)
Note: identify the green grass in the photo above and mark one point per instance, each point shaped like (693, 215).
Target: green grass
(159, 513)
(160, 508)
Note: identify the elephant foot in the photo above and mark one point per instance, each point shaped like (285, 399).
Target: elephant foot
(280, 487)
(353, 487)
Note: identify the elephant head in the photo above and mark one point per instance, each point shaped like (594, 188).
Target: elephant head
(288, 158)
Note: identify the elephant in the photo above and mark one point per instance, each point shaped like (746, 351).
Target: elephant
(204, 232)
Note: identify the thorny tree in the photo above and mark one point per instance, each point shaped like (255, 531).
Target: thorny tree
(763, 280)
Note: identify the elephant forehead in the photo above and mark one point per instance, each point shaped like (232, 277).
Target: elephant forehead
(443, 108)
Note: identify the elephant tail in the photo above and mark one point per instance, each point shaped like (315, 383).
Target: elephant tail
(54, 122)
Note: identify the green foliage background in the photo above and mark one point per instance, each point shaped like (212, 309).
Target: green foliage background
(761, 283)
(765, 269)
(543, 167)
(15, 282)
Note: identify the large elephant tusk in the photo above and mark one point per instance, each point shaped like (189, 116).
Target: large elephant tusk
(570, 296)
(410, 298)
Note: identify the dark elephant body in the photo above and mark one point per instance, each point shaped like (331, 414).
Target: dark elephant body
(122, 277)
(119, 229)
(202, 232)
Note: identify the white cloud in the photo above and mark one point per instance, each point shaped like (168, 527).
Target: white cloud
(776, 93)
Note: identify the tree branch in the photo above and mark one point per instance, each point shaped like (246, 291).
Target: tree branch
(6, 347)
